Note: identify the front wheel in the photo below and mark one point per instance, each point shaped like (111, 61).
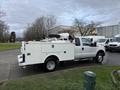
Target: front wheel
(50, 65)
(99, 57)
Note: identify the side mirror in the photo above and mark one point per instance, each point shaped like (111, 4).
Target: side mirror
(94, 44)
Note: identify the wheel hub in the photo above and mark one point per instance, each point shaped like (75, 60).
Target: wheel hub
(100, 58)
(50, 65)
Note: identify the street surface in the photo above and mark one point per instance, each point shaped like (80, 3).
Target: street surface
(9, 68)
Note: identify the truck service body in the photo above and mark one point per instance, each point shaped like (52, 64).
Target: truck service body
(51, 52)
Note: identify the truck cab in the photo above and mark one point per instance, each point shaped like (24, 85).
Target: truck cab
(85, 48)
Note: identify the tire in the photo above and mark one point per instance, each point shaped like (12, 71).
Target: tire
(110, 50)
(50, 64)
(99, 57)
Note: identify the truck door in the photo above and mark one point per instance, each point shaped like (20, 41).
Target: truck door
(78, 48)
(87, 49)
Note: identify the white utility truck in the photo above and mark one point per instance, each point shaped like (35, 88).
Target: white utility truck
(52, 51)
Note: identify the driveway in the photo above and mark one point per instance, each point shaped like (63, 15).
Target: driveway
(9, 68)
(7, 59)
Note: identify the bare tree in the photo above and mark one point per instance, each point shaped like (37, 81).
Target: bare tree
(2, 13)
(39, 29)
(79, 25)
(50, 23)
(85, 28)
(4, 33)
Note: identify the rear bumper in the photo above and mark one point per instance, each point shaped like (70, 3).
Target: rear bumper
(21, 60)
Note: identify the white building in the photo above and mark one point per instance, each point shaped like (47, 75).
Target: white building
(108, 31)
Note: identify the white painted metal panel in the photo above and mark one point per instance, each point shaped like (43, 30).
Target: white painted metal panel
(64, 51)
(37, 52)
(34, 51)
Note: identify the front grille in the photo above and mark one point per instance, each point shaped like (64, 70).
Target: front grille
(113, 45)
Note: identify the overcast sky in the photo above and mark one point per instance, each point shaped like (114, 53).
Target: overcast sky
(21, 12)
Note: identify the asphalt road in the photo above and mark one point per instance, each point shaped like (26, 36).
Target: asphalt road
(9, 68)
(112, 58)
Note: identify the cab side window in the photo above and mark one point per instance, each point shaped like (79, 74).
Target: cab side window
(107, 41)
(77, 41)
(86, 41)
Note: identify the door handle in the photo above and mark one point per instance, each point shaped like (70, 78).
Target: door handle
(28, 54)
(82, 48)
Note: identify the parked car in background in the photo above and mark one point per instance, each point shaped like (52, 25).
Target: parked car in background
(101, 41)
(114, 45)
(104, 42)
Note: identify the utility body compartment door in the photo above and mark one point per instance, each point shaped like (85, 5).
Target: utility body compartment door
(64, 51)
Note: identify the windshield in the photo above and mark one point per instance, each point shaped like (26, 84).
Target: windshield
(116, 39)
(101, 40)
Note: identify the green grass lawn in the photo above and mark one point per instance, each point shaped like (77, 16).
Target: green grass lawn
(71, 79)
(9, 46)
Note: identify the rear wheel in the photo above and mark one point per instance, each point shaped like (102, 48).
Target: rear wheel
(99, 57)
(50, 64)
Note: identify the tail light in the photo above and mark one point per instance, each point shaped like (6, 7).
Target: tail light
(23, 58)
